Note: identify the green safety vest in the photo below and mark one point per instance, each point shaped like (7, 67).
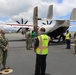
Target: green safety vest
(42, 49)
(67, 36)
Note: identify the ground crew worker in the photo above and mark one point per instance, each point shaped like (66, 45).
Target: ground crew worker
(41, 49)
(33, 35)
(75, 42)
(68, 41)
(28, 39)
(3, 48)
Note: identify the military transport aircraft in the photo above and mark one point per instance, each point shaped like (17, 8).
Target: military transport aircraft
(53, 29)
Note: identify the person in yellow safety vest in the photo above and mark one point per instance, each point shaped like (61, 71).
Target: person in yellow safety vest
(75, 42)
(41, 50)
(67, 37)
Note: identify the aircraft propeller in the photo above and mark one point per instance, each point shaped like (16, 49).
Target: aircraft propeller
(47, 22)
(22, 22)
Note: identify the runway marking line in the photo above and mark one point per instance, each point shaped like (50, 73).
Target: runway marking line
(73, 44)
(7, 71)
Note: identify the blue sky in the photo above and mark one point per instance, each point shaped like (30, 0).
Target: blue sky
(4, 18)
(59, 1)
(12, 10)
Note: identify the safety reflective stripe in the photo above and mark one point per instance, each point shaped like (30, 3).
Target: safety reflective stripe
(40, 46)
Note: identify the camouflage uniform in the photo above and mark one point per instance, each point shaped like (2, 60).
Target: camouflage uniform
(75, 41)
(28, 40)
(3, 44)
(1, 53)
(33, 36)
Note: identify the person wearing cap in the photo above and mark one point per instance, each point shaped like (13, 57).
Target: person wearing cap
(3, 48)
(41, 50)
(28, 39)
(68, 39)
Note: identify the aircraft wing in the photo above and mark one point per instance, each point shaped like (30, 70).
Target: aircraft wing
(73, 15)
(20, 25)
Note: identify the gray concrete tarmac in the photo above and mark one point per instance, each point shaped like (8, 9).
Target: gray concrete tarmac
(60, 61)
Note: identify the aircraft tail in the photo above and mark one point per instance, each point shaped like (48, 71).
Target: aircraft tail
(35, 13)
(73, 15)
(49, 15)
(50, 12)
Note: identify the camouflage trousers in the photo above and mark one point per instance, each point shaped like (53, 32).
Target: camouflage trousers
(1, 56)
(4, 58)
(28, 43)
(75, 46)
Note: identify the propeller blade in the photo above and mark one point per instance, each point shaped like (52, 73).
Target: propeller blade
(26, 22)
(19, 29)
(50, 22)
(47, 23)
(18, 22)
(44, 23)
(22, 20)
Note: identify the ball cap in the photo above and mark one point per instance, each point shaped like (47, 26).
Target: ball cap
(42, 29)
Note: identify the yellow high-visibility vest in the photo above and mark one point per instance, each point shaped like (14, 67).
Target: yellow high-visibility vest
(67, 36)
(42, 49)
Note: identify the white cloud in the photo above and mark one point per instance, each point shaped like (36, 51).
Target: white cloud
(64, 8)
(16, 9)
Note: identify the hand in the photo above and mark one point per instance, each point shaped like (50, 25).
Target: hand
(5, 48)
(35, 50)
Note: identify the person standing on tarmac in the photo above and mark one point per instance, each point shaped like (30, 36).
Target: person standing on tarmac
(33, 35)
(68, 41)
(1, 53)
(41, 50)
(28, 39)
(75, 42)
(3, 48)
